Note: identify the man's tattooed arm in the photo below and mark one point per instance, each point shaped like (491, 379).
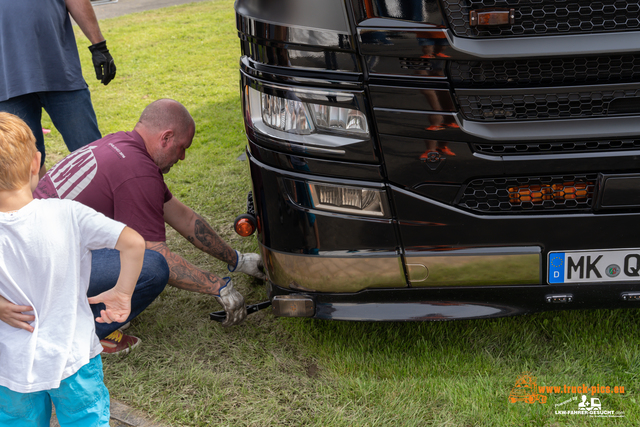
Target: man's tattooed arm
(205, 238)
(185, 275)
(196, 230)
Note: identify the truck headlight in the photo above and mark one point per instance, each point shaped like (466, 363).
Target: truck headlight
(283, 114)
(304, 118)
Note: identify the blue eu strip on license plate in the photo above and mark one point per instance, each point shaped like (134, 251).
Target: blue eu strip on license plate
(608, 265)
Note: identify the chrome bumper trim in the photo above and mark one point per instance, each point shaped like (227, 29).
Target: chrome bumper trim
(475, 267)
(320, 273)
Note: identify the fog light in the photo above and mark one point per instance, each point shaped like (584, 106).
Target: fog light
(293, 306)
(352, 200)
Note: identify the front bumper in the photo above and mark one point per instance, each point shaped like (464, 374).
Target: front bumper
(433, 304)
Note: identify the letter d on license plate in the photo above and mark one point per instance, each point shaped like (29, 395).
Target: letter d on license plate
(608, 265)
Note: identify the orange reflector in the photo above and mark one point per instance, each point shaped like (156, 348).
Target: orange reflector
(244, 227)
(491, 17)
(539, 193)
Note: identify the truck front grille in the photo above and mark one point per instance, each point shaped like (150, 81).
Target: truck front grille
(574, 103)
(536, 17)
(545, 71)
(546, 194)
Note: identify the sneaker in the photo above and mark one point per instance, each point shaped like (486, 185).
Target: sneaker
(119, 343)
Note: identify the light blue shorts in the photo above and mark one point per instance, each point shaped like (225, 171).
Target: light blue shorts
(82, 400)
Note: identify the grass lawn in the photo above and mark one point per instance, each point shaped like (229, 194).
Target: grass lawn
(292, 372)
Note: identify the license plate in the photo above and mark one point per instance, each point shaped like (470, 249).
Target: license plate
(608, 265)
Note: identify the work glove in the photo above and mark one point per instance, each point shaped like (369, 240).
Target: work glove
(232, 302)
(103, 62)
(250, 264)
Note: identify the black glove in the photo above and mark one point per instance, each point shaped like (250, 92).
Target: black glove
(103, 62)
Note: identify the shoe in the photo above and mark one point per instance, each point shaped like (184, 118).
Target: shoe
(446, 150)
(119, 343)
(125, 326)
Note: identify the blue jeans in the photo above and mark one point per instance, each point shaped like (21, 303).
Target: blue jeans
(81, 400)
(105, 269)
(71, 112)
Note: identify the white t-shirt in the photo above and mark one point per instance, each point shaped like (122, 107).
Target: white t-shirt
(45, 262)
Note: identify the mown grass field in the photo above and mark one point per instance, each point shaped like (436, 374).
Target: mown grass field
(293, 372)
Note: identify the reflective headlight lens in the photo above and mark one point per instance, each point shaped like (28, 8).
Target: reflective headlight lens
(285, 114)
(303, 118)
(337, 118)
(353, 200)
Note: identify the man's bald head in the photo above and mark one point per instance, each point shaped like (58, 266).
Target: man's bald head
(166, 114)
(167, 130)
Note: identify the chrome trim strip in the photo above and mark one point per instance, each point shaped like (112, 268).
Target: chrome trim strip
(511, 266)
(557, 45)
(597, 127)
(350, 273)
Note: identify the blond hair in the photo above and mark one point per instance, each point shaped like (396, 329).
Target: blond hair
(17, 148)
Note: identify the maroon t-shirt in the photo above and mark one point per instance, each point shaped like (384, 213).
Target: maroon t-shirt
(116, 176)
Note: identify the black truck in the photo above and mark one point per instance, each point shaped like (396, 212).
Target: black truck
(443, 159)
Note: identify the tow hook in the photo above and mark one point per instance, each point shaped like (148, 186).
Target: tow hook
(219, 316)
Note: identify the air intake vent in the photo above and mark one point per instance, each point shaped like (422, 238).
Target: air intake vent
(548, 71)
(547, 194)
(415, 64)
(535, 17)
(540, 105)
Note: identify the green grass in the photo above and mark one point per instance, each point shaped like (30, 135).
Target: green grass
(291, 372)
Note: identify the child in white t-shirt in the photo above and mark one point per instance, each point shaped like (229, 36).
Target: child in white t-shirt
(48, 347)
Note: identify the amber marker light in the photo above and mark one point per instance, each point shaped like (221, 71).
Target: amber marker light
(538, 193)
(245, 225)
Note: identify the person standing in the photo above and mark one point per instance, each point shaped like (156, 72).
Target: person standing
(40, 67)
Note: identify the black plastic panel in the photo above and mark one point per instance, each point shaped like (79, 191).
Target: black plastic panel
(286, 227)
(325, 14)
(411, 98)
(317, 167)
(439, 304)
(412, 163)
(429, 225)
(388, 11)
(301, 57)
(622, 191)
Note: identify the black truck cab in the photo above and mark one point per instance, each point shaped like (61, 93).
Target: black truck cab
(444, 159)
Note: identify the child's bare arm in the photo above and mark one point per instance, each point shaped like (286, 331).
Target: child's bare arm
(118, 299)
(13, 315)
